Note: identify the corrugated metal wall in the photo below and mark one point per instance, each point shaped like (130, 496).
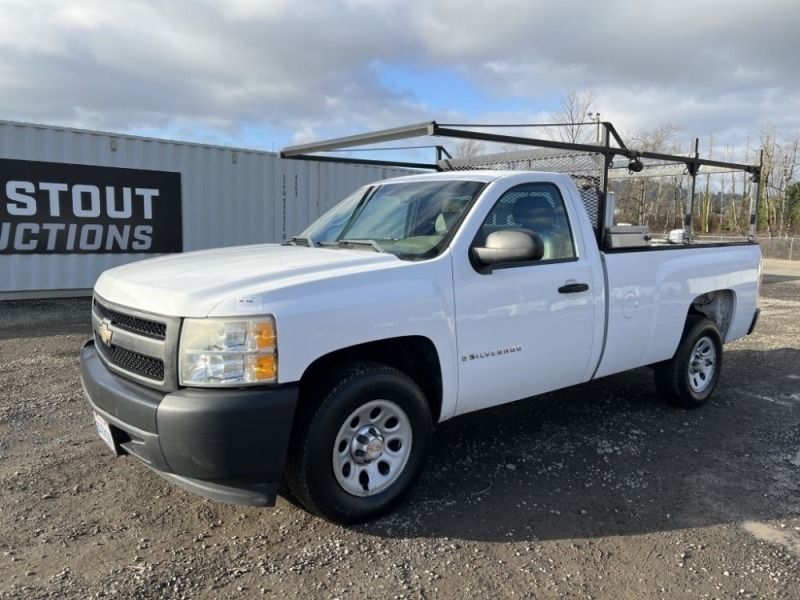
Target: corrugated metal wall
(230, 196)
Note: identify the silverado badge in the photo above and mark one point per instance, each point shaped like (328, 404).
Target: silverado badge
(105, 332)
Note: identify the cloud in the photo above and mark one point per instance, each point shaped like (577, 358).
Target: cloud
(237, 70)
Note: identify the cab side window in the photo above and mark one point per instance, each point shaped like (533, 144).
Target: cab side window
(537, 207)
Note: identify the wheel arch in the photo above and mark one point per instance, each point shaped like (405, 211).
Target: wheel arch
(416, 356)
(718, 305)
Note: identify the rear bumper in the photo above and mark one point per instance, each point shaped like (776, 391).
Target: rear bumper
(228, 445)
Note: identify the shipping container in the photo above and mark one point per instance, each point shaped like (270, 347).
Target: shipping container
(77, 202)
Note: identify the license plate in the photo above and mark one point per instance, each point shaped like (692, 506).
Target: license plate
(104, 431)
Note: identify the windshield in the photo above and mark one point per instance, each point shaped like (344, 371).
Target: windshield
(412, 220)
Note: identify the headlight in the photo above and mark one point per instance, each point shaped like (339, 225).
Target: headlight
(216, 352)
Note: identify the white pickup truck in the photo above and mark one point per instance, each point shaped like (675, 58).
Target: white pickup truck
(328, 360)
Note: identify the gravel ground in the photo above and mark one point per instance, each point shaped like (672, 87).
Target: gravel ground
(598, 491)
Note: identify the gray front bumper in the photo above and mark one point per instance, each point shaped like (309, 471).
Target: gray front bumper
(228, 445)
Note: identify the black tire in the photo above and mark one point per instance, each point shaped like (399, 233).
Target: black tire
(360, 444)
(690, 377)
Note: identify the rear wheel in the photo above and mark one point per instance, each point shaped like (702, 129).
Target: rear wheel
(690, 377)
(360, 445)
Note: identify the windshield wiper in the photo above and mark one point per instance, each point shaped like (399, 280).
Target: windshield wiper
(360, 244)
(301, 241)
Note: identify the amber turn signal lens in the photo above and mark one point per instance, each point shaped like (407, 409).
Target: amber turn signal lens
(262, 367)
(264, 334)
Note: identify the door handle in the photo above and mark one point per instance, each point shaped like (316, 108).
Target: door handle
(572, 288)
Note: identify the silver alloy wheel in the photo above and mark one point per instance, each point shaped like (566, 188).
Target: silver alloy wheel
(372, 448)
(702, 364)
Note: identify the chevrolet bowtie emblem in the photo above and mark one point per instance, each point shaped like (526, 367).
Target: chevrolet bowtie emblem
(105, 332)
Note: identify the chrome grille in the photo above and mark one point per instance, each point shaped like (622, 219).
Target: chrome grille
(150, 328)
(135, 344)
(146, 366)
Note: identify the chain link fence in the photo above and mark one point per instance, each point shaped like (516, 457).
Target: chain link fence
(784, 248)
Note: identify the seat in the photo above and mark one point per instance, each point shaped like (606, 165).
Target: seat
(449, 216)
(537, 214)
(445, 222)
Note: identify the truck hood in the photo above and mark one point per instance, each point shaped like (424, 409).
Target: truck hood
(192, 284)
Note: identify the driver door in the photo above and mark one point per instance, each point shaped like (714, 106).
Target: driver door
(524, 328)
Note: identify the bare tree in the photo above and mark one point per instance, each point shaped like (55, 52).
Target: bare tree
(469, 148)
(572, 116)
(657, 139)
(747, 186)
(793, 201)
(780, 162)
(729, 218)
(654, 202)
(735, 189)
(704, 206)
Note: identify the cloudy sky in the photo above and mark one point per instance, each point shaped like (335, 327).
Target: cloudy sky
(268, 73)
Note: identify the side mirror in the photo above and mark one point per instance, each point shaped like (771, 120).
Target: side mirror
(509, 246)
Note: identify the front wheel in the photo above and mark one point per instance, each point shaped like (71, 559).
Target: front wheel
(690, 377)
(360, 445)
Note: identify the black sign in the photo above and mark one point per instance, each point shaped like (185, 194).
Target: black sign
(57, 208)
